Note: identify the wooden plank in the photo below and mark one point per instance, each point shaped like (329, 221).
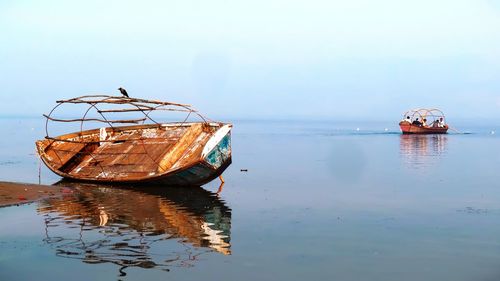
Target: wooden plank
(176, 152)
(193, 151)
(59, 153)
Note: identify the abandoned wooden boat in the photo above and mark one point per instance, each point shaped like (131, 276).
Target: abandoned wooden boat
(423, 121)
(144, 150)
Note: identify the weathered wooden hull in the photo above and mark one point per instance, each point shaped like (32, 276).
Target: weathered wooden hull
(407, 128)
(196, 175)
(172, 155)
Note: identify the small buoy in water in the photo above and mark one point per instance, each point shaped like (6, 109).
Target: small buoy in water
(357, 129)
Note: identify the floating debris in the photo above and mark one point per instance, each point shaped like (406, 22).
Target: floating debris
(472, 210)
(2, 163)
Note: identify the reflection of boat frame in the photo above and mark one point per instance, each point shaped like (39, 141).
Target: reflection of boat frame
(194, 215)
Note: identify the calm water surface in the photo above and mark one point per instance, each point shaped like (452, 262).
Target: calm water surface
(320, 200)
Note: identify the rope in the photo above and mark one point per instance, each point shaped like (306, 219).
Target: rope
(39, 167)
(455, 130)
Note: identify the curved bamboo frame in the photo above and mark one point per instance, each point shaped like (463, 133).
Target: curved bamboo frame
(146, 107)
(424, 113)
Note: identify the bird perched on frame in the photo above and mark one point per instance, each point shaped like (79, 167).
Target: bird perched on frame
(123, 92)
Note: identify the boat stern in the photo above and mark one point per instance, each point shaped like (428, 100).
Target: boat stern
(217, 150)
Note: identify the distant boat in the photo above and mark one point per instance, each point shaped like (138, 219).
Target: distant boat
(424, 121)
(171, 153)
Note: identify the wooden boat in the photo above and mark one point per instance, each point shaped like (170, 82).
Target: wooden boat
(423, 121)
(170, 153)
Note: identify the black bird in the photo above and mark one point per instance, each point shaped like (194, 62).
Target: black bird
(123, 92)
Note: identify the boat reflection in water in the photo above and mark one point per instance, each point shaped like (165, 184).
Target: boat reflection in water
(136, 227)
(420, 151)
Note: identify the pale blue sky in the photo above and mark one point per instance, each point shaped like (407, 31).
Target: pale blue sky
(330, 59)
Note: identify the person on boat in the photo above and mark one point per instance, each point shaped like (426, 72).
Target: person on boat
(408, 119)
(438, 123)
(416, 122)
(435, 124)
(424, 123)
(441, 122)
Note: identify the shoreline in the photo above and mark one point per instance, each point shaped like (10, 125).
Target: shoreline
(15, 194)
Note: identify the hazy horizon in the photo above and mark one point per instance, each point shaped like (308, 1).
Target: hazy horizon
(324, 60)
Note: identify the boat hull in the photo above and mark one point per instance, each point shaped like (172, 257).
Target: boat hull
(407, 128)
(196, 175)
(194, 157)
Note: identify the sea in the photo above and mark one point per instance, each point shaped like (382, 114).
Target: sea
(302, 200)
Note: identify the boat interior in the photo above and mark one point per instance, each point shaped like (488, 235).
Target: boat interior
(127, 153)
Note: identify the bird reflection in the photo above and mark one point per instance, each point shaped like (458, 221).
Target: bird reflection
(420, 151)
(147, 227)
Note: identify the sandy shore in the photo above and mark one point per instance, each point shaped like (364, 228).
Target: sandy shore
(20, 193)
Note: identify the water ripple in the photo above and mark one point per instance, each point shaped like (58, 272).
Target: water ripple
(147, 227)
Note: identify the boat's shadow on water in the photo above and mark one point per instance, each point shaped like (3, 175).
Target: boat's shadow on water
(140, 226)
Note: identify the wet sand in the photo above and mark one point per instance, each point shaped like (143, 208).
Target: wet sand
(20, 193)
